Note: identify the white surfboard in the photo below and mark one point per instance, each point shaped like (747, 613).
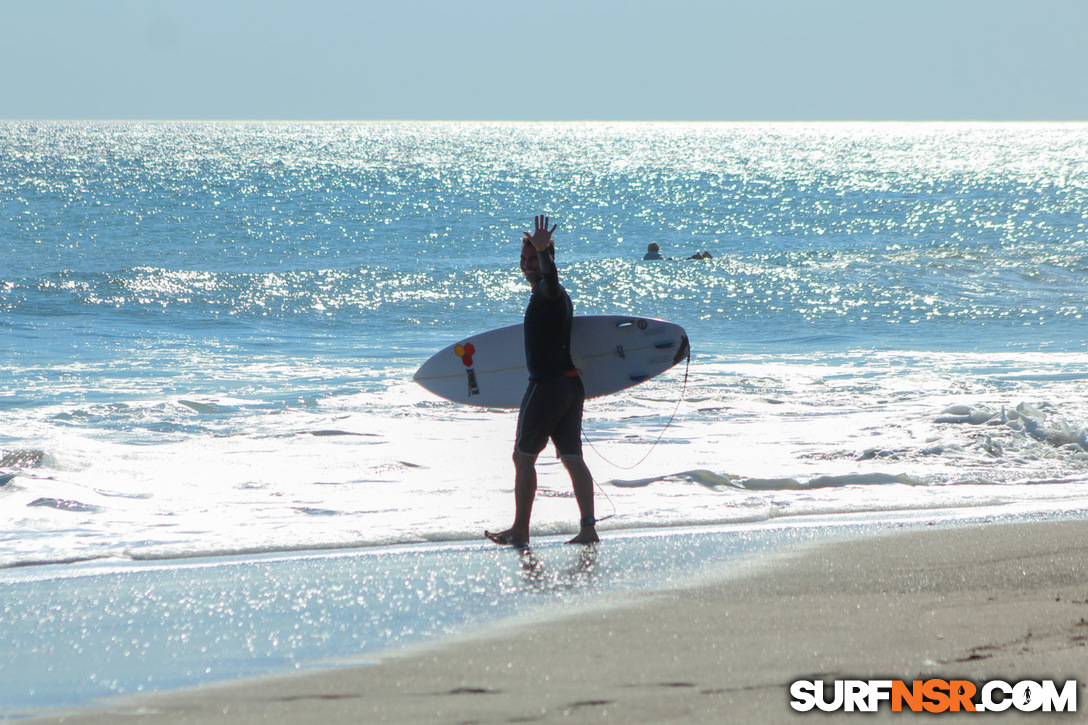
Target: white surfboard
(611, 353)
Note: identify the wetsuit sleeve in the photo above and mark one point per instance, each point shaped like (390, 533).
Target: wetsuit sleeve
(549, 281)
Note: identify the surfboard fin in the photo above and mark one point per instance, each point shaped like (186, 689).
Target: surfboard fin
(683, 352)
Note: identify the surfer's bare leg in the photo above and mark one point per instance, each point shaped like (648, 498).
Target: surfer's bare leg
(582, 480)
(524, 494)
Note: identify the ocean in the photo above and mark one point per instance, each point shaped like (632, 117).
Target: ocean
(208, 333)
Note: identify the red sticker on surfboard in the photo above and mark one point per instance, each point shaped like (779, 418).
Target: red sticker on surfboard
(465, 352)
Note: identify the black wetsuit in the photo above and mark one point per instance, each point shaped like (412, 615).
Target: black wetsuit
(552, 406)
(547, 330)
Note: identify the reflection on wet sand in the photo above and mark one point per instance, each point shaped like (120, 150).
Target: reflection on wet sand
(537, 576)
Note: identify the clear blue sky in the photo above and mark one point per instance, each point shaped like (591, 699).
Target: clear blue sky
(695, 60)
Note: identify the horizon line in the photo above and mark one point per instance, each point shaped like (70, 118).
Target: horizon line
(539, 121)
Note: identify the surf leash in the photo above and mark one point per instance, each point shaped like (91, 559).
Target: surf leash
(684, 351)
(610, 503)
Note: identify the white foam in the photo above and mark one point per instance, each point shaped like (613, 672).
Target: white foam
(752, 440)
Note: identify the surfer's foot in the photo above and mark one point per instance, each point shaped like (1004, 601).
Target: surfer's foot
(588, 535)
(509, 538)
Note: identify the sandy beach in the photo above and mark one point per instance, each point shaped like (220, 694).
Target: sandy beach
(985, 602)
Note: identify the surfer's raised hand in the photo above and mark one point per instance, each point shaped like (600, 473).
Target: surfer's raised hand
(541, 238)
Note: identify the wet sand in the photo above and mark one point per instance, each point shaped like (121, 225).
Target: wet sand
(982, 602)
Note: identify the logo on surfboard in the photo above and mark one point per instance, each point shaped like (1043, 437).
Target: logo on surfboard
(465, 352)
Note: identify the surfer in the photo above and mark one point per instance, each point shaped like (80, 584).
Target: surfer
(552, 406)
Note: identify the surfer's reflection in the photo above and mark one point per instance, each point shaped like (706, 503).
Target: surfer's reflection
(581, 573)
